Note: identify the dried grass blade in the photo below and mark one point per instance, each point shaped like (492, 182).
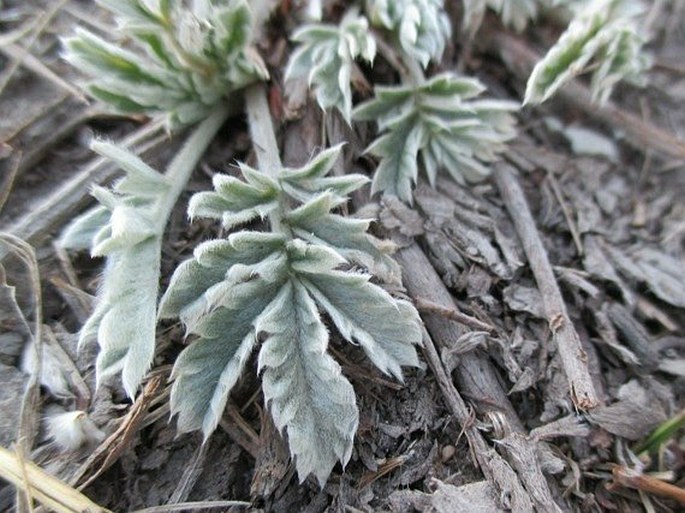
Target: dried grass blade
(47, 489)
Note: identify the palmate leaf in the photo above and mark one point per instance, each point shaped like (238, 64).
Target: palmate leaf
(315, 223)
(209, 265)
(421, 26)
(326, 54)
(185, 60)
(386, 328)
(442, 122)
(235, 202)
(208, 369)
(270, 286)
(274, 298)
(302, 184)
(605, 35)
(314, 196)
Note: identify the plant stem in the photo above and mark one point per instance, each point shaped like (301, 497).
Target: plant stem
(185, 161)
(266, 147)
(415, 74)
(262, 130)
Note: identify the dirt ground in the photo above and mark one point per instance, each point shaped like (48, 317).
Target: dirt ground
(491, 402)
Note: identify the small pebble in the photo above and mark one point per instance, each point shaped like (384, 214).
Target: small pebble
(447, 452)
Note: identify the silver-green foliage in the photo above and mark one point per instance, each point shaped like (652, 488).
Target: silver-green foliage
(514, 13)
(125, 229)
(421, 26)
(273, 286)
(442, 121)
(604, 37)
(326, 54)
(185, 60)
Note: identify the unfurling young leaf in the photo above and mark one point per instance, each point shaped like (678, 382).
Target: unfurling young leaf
(326, 55)
(271, 287)
(421, 26)
(442, 121)
(604, 35)
(186, 60)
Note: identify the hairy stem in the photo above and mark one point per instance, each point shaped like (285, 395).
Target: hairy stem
(184, 162)
(265, 146)
(262, 130)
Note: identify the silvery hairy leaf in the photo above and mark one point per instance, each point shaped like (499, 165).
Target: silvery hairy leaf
(230, 303)
(315, 223)
(604, 36)
(442, 121)
(314, 195)
(184, 61)
(421, 26)
(304, 387)
(272, 287)
(208, 369)
(79, 234)
(123, 229)
(326, 54)
(387, 329)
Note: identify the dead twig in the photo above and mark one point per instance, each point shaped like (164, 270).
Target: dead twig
(193, 506)
(475, 374)
(573, 356)
(629, 478)
(480, 450)
(36, 27)
(29, 416)
(426, 306)
(190, 476)
(8, 181)
(240, 431)
(114, 446)
(567, 212)
(34, 64)
(47, 489)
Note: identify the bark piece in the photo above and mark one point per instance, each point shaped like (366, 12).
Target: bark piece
(11, 394)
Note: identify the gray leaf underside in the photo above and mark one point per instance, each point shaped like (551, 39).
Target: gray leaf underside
(303, 385)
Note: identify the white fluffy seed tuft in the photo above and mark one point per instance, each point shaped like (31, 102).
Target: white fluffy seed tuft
(72, 430)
